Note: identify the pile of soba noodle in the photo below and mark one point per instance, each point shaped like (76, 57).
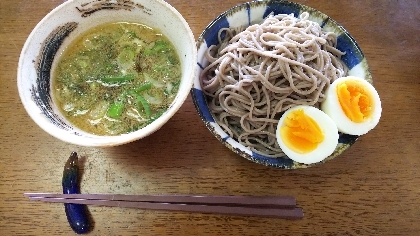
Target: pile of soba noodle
(256, 74)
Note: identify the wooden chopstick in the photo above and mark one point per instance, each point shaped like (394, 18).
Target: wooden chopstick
(281, 207)
(257, 201)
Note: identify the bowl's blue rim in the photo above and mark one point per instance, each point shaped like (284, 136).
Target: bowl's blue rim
(345, 42)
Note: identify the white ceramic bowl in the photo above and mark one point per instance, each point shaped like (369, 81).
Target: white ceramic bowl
(250, 13)
(67, 21)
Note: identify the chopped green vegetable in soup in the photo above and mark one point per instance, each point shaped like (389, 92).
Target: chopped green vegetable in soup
(116, 78)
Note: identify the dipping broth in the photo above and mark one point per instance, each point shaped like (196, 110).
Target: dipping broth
(116, 78)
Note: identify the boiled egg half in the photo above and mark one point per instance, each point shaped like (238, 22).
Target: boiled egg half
(306, 134)
(353, 104)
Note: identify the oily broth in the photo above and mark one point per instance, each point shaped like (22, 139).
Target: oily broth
(116, 78)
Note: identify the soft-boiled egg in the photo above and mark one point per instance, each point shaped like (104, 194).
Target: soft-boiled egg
(353, 104)
(306, 134)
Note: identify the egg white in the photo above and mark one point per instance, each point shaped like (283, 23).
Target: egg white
(324, 149)
(331, 106)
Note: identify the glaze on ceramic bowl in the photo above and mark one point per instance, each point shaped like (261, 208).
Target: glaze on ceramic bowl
(254, 12)
(57, 29)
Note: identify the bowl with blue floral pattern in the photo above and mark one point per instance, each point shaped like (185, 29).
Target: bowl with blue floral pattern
(246, 15)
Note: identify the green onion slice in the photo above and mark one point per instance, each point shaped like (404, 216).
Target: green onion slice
(118, 79)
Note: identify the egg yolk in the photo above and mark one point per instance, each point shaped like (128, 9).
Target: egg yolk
(300, 132)
(355, 100)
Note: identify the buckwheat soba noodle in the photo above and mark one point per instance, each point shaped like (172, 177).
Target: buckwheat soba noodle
(255, 74)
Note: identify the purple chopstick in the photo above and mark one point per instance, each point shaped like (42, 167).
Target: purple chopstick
(268, 206)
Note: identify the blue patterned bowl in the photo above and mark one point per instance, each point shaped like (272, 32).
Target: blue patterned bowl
(254, 12)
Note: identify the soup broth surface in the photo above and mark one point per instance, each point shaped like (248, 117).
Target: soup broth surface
(116, 78)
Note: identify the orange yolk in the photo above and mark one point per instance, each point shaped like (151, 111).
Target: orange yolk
(300, 132)
(355, 100)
